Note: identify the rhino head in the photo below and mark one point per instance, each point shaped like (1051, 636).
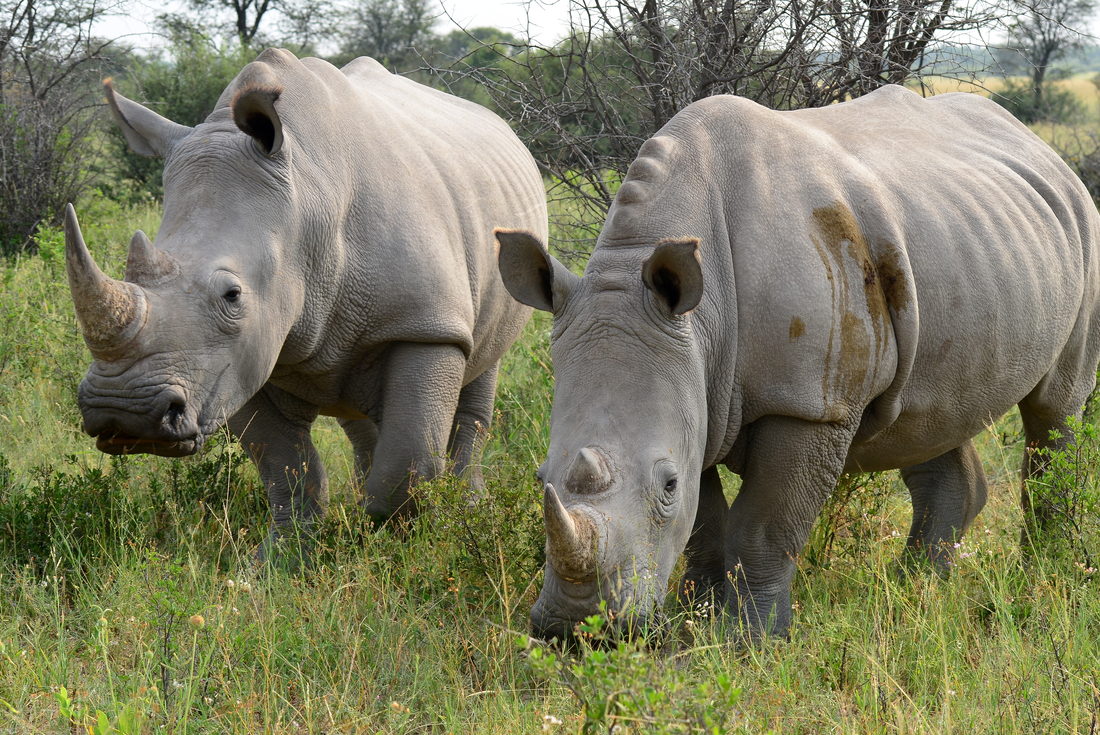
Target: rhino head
(627, 427)
(198, 322)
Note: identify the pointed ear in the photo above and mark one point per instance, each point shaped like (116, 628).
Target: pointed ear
(530, 273)
(674, 273)
(148, 133)
(254, 113)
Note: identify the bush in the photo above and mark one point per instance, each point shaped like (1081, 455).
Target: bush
(183, 85)
(1054, 104)
(623, 687)
(48, 65)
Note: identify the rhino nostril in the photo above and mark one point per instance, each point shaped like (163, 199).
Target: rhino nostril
(174, 413)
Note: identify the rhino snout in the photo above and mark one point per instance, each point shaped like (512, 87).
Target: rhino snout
(140, 422)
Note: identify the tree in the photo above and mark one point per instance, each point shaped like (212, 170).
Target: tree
(300, 22)
(1043, 33)
(181, 83)
(49, 72)
(586, 104)
(388, 30)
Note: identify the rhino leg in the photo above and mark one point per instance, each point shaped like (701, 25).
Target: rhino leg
(363, 435)
(274, 428)
(1041, 509)
(471, 427)
(703, 583)
(791, 467)
(948, 492)
(419, 398)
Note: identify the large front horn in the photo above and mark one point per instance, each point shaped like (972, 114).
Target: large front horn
(570, 538)
(111, 312)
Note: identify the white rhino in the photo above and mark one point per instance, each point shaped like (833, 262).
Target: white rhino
(326, 248)
(796, 295)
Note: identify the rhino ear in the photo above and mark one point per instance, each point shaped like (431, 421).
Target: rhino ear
(148, 133)
(674, 273)
(254, 113)
(530, 273)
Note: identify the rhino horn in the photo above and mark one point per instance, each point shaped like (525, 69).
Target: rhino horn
(570, 538)
(145, 263)
(588, 473)
(111, 312)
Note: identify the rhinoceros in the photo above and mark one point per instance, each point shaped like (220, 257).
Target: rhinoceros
(796, 295)
(326, 248)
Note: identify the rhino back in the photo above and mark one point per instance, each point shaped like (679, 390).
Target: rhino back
(925, 262)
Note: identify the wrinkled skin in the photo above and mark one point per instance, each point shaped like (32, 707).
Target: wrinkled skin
(796, 295)
(326, 248)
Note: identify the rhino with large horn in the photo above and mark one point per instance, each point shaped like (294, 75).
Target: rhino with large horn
(326, 248)
(795, 295)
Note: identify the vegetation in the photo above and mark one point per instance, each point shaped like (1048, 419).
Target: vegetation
(128, 598)
(131, 604)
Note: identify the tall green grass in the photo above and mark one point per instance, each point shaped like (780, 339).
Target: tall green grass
(128, 602)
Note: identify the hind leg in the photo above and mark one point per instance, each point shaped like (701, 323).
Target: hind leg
(471, 428)
(948, 492)
(1042, 505)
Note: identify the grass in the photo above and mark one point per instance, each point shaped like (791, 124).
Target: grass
(129, 603)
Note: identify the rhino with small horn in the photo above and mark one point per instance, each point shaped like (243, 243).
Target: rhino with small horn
(326, 248)
(796, 295)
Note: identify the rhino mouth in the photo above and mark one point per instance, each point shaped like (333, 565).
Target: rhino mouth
(118, 442)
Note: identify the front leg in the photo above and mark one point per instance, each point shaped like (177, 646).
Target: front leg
(273, 427)
(791, 468)
(419, 398)
(703, 582)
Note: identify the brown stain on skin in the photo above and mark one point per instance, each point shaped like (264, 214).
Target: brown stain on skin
(798, 328)
(884, 287)
(891, 276)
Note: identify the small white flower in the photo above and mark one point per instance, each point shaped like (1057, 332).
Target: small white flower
(230, 583)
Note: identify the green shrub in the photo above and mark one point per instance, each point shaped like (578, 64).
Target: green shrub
(183, 84)
(1053, 104)
(622, 686)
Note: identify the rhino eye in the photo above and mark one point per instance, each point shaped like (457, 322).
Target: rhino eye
(232, 295)
(670, 486)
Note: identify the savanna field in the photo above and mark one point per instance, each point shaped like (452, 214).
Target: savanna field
(129, 602)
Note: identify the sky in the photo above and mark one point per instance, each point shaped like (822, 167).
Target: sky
(547, 20)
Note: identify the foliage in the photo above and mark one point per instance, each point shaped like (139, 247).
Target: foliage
(621, 684)
(1054, 104)
(1041, 33)
(586, 104)
(48, 59)
(1067, 494)
(1082, 153)
(183, 84)
(850, 525)
(388, 31)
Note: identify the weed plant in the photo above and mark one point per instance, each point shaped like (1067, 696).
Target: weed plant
(129, 602)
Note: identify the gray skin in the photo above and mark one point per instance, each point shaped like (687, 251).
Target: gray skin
(795, 295)
(326, 248)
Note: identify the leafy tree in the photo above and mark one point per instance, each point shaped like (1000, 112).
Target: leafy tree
(1043, 33)
(49, 61)
(388, 31)
(183, 84)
